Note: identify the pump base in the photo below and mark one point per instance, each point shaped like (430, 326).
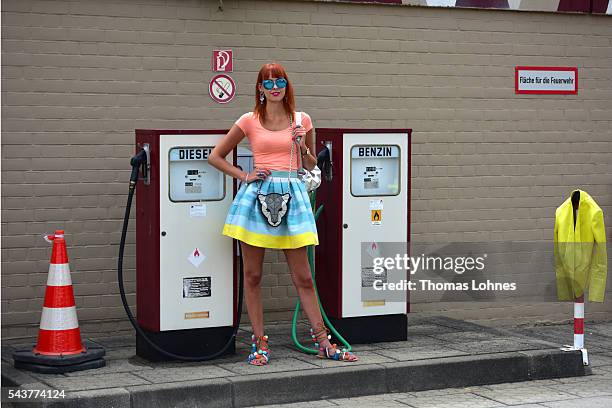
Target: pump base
(372, 329)
(190, 343)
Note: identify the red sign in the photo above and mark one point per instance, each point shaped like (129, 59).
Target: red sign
(546, 80)
(222, 88)
(222, 61)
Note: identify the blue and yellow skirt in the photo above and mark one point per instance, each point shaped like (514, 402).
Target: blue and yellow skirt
(246, 223)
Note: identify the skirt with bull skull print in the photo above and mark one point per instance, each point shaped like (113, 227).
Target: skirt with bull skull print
(246, 221)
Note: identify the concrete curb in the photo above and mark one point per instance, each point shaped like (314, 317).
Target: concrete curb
(337, 382)
(209, 393)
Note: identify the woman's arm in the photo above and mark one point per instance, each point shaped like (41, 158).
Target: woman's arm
(223, 148)
(309, 161)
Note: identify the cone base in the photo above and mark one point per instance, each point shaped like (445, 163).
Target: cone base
(45, 369)
(26, 355)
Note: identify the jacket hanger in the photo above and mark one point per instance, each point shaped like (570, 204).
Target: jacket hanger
(575, 204)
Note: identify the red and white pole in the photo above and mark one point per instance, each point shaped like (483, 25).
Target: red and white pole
(578, 330)
(579, 323)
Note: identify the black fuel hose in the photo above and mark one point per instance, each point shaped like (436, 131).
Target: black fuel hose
(136, 162)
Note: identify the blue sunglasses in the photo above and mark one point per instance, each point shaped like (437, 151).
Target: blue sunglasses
(269, 83)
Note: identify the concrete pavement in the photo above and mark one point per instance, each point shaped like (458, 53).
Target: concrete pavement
(439, 353)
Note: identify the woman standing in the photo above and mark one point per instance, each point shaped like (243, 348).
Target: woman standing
(272, 208)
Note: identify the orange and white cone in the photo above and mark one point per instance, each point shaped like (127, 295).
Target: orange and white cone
(59, 348)
(59, 332)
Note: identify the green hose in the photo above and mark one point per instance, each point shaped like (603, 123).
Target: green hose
(317, 212)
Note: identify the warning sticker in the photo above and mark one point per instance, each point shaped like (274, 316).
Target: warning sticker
(368, 276)
(373, 249)
(376, 217)
(196, 257)
(196, 287)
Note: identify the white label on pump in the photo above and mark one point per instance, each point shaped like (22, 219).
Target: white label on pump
(190, 153)
(197, 210)
(196, 287)
(368, 276)
(376, 204)
(196, 257)
(375, 151)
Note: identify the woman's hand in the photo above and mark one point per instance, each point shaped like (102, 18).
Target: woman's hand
(300, 132)
(258, 174)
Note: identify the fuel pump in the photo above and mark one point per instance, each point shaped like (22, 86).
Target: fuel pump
(186, 270)
(367, 203)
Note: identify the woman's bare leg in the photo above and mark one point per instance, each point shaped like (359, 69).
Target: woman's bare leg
(252, 258)
(302, 280)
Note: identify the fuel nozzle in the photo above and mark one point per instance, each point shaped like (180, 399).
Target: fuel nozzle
(138, 161)
(324, 162)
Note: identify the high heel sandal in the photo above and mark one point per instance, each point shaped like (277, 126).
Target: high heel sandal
(332, 353)
(259, 355)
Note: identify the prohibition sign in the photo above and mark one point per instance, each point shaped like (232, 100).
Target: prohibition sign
(222, 88)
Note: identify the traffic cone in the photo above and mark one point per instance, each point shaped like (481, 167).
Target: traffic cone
(59, 348)
(59, 332)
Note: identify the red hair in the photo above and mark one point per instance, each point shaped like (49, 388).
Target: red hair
(274, 70)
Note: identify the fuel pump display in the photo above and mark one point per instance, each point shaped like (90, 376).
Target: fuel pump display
(370, 180)
(375, 170)
(191, 177)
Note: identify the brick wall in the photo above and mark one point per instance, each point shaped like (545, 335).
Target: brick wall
(79, 77)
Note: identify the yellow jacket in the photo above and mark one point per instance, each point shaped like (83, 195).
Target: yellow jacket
(580, 253)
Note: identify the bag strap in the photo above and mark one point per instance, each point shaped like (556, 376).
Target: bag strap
(298, 122)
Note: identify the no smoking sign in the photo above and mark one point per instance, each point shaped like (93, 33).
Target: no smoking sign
(222, 88)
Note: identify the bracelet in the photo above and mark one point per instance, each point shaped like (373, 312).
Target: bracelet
(246, 178)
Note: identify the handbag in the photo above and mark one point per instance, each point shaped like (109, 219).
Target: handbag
(311, 178)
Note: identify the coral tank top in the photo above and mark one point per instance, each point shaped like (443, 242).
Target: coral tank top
(271, 148)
